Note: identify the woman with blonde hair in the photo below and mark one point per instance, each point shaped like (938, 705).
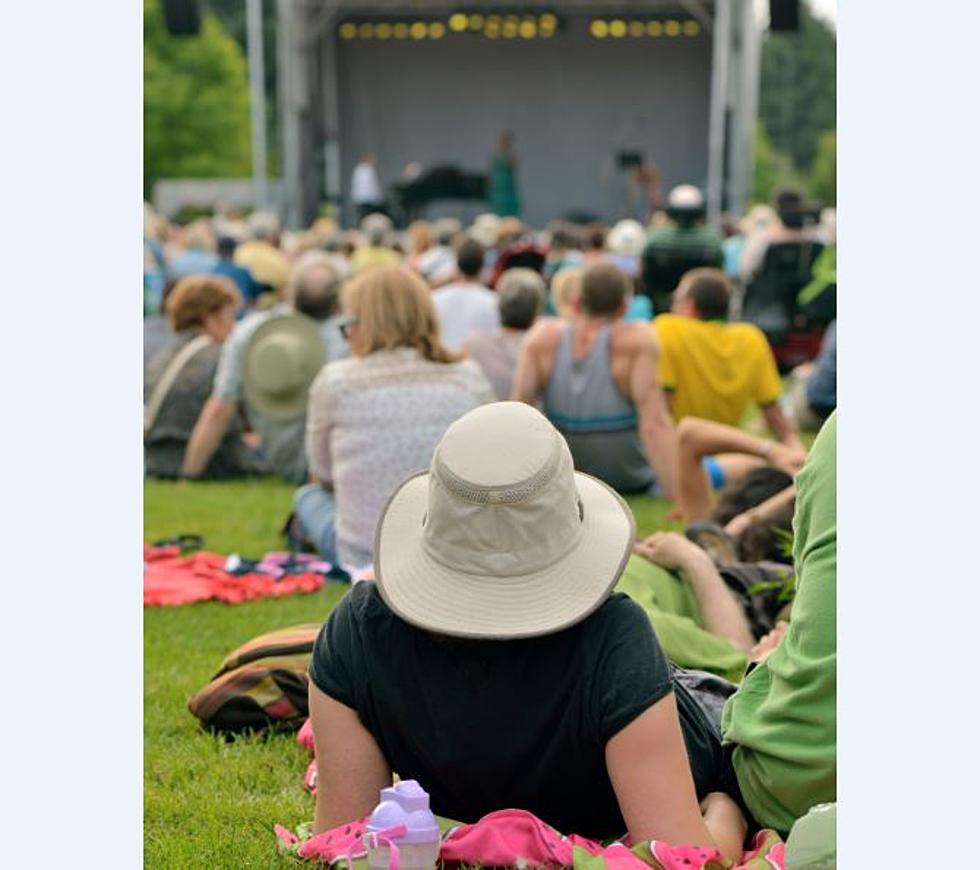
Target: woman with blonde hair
(376, 417)
(201, 310)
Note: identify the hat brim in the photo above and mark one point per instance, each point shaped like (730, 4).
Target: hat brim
(429, 595)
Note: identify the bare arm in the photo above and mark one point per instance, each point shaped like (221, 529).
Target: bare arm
(528, 377)
(350, 769)
(211, 426)
(762, 512)
(721, 613)
(651, 776)
(656, 425)
(781, 426)
(699, 438)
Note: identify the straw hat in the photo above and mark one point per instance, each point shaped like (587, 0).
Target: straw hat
(282, 358)
(501, 538)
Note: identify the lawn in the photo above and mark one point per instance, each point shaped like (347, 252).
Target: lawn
(209, 803)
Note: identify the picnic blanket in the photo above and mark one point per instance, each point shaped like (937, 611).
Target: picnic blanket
(517, 838)
(171, 579)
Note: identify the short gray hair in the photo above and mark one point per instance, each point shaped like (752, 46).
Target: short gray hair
(314, 285)
(520, 295)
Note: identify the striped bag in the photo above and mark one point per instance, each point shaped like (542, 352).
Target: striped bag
(260, 685)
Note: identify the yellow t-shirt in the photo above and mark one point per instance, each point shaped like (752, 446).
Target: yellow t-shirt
(715, 370)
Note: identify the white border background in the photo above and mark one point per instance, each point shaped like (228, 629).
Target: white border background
(71, 169)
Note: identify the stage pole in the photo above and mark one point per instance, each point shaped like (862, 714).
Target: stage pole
(256, 75)
(720, 57)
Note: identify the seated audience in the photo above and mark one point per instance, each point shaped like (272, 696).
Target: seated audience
(780, 727)
(261, 255)
(492, 595)
(197, 256)
(713, 369)
(376, 251)
(597, 378)
(566, 289)
(813, 396)
(520, 298)
(438, 264)
(419, 240)
(794, 224)
(313, 287)
(465, 306)
(376, 417)
(625, 244)
(684, 242)
(201, 310)
(228, 268)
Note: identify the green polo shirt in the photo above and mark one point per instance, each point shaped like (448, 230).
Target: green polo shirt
(783, 718)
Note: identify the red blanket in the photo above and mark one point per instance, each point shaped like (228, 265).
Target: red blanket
(170, 579)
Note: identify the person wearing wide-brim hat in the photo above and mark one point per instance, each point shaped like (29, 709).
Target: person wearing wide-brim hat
(491, 662)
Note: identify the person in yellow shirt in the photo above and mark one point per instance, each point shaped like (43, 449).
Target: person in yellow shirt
(713, 369)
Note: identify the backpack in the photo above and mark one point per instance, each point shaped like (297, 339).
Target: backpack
(260, 685)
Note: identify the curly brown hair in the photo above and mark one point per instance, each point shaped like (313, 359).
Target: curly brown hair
(195, 297)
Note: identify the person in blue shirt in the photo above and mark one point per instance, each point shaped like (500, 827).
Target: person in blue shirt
(239, 275)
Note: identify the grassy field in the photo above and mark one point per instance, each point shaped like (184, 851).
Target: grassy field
(207, 802)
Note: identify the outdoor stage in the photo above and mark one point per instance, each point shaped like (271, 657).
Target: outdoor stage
(580, 85)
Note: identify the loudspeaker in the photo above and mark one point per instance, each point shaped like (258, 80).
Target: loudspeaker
(182, 17)
(784, 15)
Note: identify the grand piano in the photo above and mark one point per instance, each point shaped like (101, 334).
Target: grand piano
(439, 183)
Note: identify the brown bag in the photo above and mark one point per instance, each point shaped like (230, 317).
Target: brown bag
(260, 685)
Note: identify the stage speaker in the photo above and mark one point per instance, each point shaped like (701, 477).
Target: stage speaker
(784, 16)
(182, 17)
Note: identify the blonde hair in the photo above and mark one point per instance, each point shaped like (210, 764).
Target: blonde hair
(195, 297)
(566, 289)
(199, 236)
(394, 309)
(419, 236)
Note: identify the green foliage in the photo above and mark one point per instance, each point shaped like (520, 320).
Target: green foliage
(195, 102)
(798, 90)
(823, 177)
(773, 170)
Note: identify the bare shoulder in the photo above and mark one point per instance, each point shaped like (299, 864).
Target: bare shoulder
(543, 335)
(633, 338)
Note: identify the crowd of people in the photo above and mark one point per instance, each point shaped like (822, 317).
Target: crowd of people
(462, 410)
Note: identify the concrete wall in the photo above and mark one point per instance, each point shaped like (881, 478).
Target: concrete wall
(172, 194)
(571, 101)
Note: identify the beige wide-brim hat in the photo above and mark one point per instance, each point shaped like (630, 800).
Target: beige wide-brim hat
(282, 358)
(501, 538)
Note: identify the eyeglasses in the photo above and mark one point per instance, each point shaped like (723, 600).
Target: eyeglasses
(345, 326)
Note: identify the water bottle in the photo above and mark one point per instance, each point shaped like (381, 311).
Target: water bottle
(402, 818)
(812, 843)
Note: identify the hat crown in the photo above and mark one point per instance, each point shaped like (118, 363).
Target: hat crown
(279, 362)
(497, 509)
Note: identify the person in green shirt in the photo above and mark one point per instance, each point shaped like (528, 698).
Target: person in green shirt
(781, 724)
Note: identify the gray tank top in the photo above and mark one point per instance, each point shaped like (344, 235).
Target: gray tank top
(600, 425)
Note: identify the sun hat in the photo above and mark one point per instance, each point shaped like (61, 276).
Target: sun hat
(486, 229)
(626, 238)
(501, 538)
(282, 358)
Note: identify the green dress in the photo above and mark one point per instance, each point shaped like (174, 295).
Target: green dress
(503, 200)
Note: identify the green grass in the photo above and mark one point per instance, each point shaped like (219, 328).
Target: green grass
(208, 803)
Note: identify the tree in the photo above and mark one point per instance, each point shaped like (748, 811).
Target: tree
(798, 89)
(195, 102)
(772, 169)
(823, 177)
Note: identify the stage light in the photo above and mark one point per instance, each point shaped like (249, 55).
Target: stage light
(599, 29)
(475, 21)
(492, 29)
(637, 28)
(511, 19)
(654, 28)
(672, 28)
(509, 30)
(617, 28)
(457, 22)
(418, 30)
(347, 30)
(365, 31)
(528, 30)
(400, 30)
(547, 21)
(437, 30)
(691, 28)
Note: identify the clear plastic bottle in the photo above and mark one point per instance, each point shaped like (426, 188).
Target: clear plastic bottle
(812, 842)
(403, 806)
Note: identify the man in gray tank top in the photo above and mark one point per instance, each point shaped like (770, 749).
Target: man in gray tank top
(595, 376)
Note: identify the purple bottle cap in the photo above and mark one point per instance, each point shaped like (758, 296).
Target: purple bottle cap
(406, 803)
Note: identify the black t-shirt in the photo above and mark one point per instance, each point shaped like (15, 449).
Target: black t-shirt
(489, 725)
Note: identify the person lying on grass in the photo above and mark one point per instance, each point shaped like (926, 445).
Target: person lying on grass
(492, 662)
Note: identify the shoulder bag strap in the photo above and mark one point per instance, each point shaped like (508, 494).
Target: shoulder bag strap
(181, 358)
